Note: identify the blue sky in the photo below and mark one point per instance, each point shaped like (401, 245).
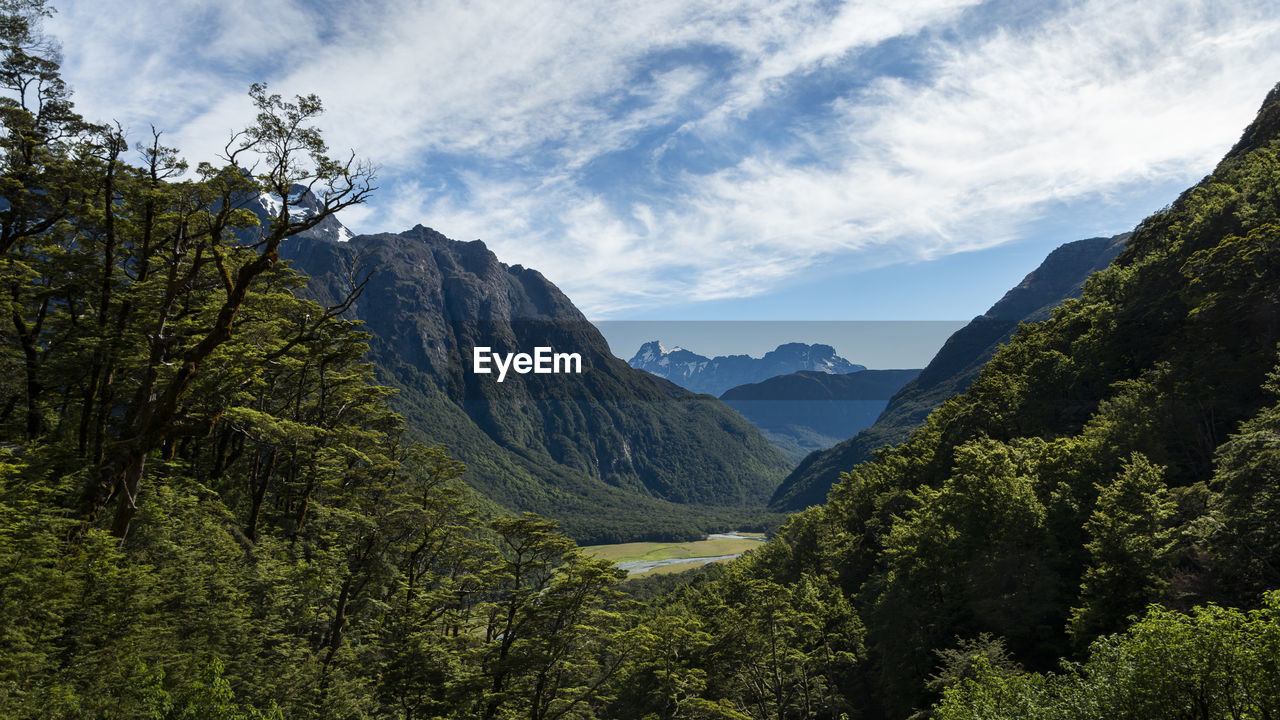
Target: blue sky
(721, 160)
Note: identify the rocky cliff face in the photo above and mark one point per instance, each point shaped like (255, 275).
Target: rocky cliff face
(716, 375)
(610, 451)
(954, 368)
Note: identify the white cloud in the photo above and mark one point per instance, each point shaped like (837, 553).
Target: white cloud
(1097, 100)
(168, 62)
(1099, 97)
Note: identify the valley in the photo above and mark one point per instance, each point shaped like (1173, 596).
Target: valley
(255, 465)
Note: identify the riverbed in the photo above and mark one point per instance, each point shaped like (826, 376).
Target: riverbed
(640, 558)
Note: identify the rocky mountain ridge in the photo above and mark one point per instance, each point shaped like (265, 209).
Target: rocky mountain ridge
(612, 452)
(717, 374)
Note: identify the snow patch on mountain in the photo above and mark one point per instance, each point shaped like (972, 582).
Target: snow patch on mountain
(715, 375)
(303, 205)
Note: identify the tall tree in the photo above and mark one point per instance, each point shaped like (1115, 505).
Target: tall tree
(1129, 546)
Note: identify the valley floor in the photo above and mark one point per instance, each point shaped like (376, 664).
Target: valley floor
(644, 558)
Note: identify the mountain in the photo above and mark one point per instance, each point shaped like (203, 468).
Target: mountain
(809, 410)
(954, 368)
(612, 452)
(304, 204)
(716, 375)
(1119, 458)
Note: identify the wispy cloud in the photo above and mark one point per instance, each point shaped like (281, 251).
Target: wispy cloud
(642, 153)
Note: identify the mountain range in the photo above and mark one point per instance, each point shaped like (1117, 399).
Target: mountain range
(717, 374)
(209, 509)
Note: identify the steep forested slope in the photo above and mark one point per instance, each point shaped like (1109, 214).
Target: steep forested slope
(207, 508)
(1117, 454)
(954, 368)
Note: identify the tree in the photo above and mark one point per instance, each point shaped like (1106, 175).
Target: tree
(1246, 512)
(280, 136)
(968, 559)
(1211, 663)
(1129, 548)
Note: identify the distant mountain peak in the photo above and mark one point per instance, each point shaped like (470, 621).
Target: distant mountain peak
(715, 375)
(303, 204)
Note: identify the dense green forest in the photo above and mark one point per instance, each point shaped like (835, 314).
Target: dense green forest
(207, 509)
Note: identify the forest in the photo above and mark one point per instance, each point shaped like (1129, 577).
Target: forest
(208, 508)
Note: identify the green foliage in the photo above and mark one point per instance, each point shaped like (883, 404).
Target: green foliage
(737, 646)
(1212, 663)
(208, 698)
(970, 659)
(1247, 502)
(1129, 546)
(1116, 454)
(208, 509)
(966, 559)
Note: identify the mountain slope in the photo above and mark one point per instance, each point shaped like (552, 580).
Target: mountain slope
(716, 375)
(613, 452)
(954, 368)
(1119, 454)
(808, 410)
